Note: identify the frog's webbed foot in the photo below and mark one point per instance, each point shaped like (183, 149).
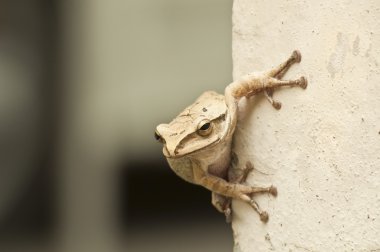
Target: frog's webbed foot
(248, 198)
(276, 74)
(269, 95)
(223, 204)
(263, 214)
(279, 71)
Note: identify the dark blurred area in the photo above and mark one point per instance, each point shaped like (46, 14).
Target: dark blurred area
(28, 81)
(83, 85)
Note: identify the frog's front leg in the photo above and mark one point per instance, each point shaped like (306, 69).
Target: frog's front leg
(222, 203)
(233, 190)
(252, 84)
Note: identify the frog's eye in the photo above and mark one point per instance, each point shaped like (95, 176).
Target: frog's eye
(204, 128)
(158, 137)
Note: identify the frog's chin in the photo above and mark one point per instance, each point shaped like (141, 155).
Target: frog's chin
(189, 151)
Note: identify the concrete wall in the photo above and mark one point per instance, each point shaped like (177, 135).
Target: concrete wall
(322, 149)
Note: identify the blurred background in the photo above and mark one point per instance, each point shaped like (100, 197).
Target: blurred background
(83, 85)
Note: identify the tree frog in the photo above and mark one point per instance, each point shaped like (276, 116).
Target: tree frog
(197, 143)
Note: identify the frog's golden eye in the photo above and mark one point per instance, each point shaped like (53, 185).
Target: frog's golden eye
(204, 127)
(158, 137)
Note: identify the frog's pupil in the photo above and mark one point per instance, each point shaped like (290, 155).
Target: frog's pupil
(205, 126)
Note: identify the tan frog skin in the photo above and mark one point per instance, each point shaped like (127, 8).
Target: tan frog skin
(197, 143)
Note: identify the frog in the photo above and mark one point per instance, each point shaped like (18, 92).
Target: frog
(197, 144)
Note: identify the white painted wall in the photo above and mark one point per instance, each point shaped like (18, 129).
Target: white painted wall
(322, 149)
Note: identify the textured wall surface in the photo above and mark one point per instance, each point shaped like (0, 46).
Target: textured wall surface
(322, 149)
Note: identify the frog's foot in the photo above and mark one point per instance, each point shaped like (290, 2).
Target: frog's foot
(246, 171)
(273, 83)
(263, 214)
(269, 95)
(272, 190)
(228, 214)
(276, 74)
(247, 196)
(222, 204)
(239, 176)
(279, 71)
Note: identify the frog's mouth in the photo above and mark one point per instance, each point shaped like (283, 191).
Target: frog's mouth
(190, 148)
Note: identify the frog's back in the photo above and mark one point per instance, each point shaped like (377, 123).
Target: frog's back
(210, 104)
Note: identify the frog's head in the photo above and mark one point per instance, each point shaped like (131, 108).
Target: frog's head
(201, 125)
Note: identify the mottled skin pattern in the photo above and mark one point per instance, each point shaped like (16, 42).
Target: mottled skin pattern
(197, 143)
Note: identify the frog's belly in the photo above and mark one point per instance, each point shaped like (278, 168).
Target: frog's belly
(214, 161)
(183, 167)
(220, 167)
